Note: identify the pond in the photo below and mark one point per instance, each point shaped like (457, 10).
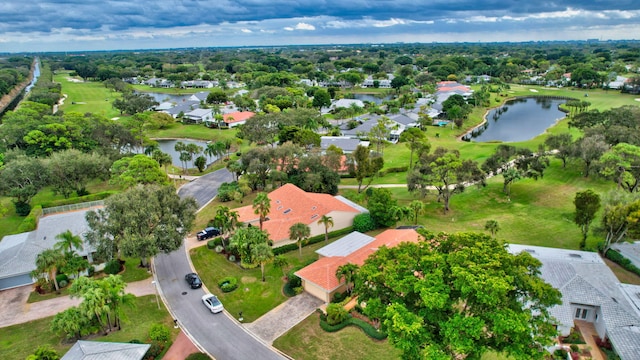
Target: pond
(518, 120)
(168, 146)
(160, 97)
(377, 99)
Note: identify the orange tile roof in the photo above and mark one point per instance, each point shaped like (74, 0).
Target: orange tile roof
(323, 271)
(290, 205)
(237, 116)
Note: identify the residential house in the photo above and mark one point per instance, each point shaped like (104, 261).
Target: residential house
(396, 124)
(237, 118)
(371, 83)
(200, 96)
(159, 83)
(18, 252)
(346, 103)
(182, 108)
(346, 143)
(592, 295)
(99, 350)
(198, 84)
(198, 116)
(319, 279)
(290, 205)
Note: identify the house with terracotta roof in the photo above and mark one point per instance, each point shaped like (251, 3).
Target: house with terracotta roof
(236, 118)
(290, 205)
(319, 279)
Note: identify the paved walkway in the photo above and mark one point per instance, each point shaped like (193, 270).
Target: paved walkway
(278, 321)
(14, 308)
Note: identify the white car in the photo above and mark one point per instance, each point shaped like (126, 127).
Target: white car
(212, 303)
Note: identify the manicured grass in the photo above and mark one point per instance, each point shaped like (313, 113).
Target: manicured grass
(86, 97)
(193, 131)
(18, 341)
(307, 341)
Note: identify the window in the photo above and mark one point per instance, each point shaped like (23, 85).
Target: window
(581, 313)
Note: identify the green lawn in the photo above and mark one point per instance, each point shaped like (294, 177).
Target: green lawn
(18, 341)
(84, 97)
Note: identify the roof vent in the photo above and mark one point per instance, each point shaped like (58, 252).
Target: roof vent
(314, 207)
(277, 201)
(287, 211)
(279, 207)
(314, 216)
(530, 251)
(577, 256)
(614, 300)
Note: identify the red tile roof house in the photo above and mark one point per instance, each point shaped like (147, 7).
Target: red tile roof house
(319, 279)
(290, 205)
(237, 118)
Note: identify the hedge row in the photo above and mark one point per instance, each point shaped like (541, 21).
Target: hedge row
(366, 327)
(80, 199)
(312, 240)
(617, 258)
(390, 170)
(30, 222)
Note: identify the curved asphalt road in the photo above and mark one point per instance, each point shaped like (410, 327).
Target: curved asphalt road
(219, 334)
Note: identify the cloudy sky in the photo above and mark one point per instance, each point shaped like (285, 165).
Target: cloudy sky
(69, 25)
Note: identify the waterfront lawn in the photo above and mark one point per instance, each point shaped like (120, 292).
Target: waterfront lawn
(19, 341)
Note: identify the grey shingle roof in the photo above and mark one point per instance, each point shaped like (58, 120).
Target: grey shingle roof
(18, 252)
(97, 350)
(584, 278)
(347, 144)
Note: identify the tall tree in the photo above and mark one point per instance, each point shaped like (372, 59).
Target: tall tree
(560, 144)
(262, 254)
(142, 221)
(244, 240)
(299, 232)
(327, 221)
(622, 163)
(446, 172)
(22, 178)
(262, 207)
(418, 207)
(362, 165)
(138, 169)
(587, 203)
(434, 304)
(415, 139)
(589, 149)
(619, 217)
(71, 170)
(381, 204)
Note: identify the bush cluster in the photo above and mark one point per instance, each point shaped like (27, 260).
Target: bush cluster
(390, 170)
(363, 223)
(80, 199)
(228, 284)
(113, 267)
(366, 327)
(30, 222)
(160, 333)
(617, 258)
(226, 191)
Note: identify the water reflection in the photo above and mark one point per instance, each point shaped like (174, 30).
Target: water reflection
(518, 120)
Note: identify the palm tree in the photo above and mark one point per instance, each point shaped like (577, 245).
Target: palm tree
(68, 242)
(262, 254)
(492, 226)
(327, 221)
(299, 232)
(94, 305)
(47, 262)
(348, 272)
(417, 208)
(262, 207)
(162, 158)
(113, 287)
(281, 262)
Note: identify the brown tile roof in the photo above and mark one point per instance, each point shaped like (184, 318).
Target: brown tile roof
(237, 116)
(290, 205)
(323, 271)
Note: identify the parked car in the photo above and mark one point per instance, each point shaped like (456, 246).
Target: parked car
(212, 303)
(208, 233)
(193, 280)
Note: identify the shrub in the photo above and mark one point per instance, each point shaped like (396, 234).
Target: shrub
(112, 267)
(560, 354)
(160, 333)
(338, 297)
(135, 341)
(312, 240)
(219, 248)
(294, 280)
(22, 208)
(91, 270)
(574, 348)
(228, 284)
(619, 259)
(288, 290)
(198, 356)
(30, 222)
(61, 277)
(226, 191)
(232, 258)
(336, 314)
(363, 223)
(211, 244)
(154, 351)
(369, 329)
(80, 199)
(63, 283)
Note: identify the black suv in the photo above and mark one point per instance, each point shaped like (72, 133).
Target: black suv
(194, 280)
(208, 233)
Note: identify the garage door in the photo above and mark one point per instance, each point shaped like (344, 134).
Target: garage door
(15, 281)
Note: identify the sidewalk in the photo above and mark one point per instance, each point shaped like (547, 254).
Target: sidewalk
(14, 308)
